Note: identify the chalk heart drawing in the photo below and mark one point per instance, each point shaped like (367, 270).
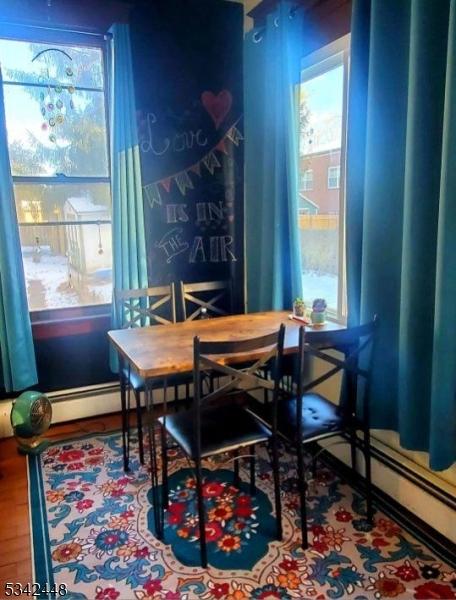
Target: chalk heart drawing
(217, 106)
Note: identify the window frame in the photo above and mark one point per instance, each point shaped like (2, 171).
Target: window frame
(335, 177)
(316, 63)
(84, 39)
(308, 180)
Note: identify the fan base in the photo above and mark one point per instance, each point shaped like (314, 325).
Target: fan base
(32, 446)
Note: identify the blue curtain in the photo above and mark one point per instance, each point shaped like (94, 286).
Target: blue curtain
(272, 70)
(401, 213)
(16, 342)
(128, 234)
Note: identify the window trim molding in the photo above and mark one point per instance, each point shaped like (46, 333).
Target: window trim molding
(327, 54)
(41, 34)
(74, 320)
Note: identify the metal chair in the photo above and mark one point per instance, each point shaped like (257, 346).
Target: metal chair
(214, 296)
(138, 308)
(216, 424)
(308, 417)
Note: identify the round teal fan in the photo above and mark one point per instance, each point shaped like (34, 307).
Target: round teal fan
(31, 416)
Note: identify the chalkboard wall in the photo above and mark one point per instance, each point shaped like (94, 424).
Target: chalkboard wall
(187, 60)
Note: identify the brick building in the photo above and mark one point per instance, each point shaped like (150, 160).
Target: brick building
(319, 182)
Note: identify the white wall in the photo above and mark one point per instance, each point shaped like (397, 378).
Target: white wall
(248, 5)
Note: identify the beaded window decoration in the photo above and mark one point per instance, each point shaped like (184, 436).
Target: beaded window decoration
(58, 99)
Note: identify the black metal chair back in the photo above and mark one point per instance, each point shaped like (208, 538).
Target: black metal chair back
(146, 306)
(211, 358)
(214, 296)
(357, 346)
(138, 308)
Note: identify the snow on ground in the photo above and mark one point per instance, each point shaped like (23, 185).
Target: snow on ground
(319, 286)
(48, 284)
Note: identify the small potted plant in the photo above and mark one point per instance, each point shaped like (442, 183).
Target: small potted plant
(299, 307)
(318, 315)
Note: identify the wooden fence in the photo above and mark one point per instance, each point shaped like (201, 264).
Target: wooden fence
(45, 236)
(318, 221)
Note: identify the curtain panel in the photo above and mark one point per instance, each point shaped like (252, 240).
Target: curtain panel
(401, 214)
(272, 57)
(128, 234)
(16, 343)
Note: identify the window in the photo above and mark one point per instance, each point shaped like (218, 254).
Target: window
(333, 178)
(322, 123)
(307, 180)
(58, 147)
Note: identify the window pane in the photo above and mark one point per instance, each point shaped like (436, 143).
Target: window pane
(321, 113)
(56, 122)
(52, 131)
(51, 64)
(67, 265)
(37, 203)
(333, 177)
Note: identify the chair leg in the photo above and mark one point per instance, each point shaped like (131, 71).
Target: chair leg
(128, 414)
(314, 452)
(368, 475)
(276, 476)
(236, 479)
(123, 401)
(165, 487)
(252, 472)
(187, 396)
(302, 496)
(140, 428)
(353, 452)
(201, 515)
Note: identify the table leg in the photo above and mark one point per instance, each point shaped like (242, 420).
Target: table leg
(128, 415)
(123, 402)
(153, 460)
(165, 491)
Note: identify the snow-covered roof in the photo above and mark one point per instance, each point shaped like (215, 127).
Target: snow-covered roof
(83, 205)
(303, 199)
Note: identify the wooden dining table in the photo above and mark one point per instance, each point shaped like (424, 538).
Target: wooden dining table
(162, 351)
(159, 352)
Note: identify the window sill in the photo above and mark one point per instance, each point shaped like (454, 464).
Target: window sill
(67, 322)
(333, 318)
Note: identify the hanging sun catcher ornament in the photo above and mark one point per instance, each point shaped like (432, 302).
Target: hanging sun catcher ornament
(59, 97)
(100, 243)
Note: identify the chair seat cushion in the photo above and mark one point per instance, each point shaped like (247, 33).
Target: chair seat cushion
(222, 428)
(137, 382)
(319, 417)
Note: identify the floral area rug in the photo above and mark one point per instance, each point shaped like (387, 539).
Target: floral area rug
(92, 531)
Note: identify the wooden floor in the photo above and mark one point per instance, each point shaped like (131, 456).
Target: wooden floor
(15, 555)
